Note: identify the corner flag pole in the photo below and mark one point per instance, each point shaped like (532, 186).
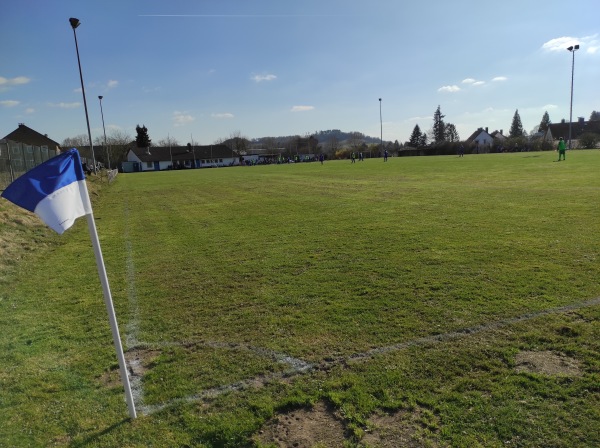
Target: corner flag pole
(111, 314)
(56, 191)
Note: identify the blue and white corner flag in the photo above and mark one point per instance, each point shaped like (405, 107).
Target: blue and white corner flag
(55, 191)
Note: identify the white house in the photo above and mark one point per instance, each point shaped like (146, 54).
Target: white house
(158, 158)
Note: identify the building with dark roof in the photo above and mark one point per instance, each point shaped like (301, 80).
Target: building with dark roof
(158, 158)
(22, 150)
(28, 136)
(578, 128)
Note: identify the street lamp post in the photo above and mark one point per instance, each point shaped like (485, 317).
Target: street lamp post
(104, 129)
(572, 49)
(74, 24)
(380, 127)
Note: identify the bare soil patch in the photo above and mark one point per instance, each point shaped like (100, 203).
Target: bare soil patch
(399, 429)
(322, 427)
(547, 363)
(140, 360)
(305, 428)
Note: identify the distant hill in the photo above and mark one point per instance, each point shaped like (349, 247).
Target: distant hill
(340, 137)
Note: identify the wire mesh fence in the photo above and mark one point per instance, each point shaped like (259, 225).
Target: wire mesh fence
(17, 158)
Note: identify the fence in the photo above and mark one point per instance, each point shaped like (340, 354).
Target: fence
(17, 158)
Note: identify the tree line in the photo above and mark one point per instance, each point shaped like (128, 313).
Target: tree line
(333, 143)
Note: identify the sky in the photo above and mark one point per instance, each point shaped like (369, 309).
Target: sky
(204, 70)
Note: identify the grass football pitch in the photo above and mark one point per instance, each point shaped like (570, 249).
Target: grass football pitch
(457, 298)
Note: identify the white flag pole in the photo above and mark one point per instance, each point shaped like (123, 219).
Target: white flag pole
(112, 318)
(111, 314)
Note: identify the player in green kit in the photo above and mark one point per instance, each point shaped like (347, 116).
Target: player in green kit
(562, 147)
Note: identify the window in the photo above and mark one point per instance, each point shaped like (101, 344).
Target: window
(149, 165)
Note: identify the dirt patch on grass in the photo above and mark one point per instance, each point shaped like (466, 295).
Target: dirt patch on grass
(140, 360)
(305, 428)
(399, 429)
(547, 363)
(321, 426)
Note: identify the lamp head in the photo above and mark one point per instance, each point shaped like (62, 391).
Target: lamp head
(100, 97)
(570, 48)
(577, 47)
(74, 22)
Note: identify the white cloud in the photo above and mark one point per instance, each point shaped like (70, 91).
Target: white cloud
(468, 81)
(14, 81)
(499, 79)
(9, 103)
(112, 83)
(560, 43)
(418, 118)
(260, 78)
(224, 115)
(29, 110)
(478, 83)
(453, 88)
(589, 44)
(301, 108)
(550, 107)
(65, 105)
(182, 118)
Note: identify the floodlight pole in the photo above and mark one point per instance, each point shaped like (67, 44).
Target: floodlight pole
(193, 151)
(380, 126)
(74, 24)
(572, 49)
(104, 129)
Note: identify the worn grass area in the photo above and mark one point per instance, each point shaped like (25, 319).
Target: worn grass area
(388, 290)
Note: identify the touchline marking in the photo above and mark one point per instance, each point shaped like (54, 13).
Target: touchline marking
(132, 327)
(299, 367)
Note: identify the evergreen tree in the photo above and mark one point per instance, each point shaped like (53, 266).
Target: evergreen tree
(595, 116)
(544, 123)
(516, 128)
(142, 140)
(423, 140)
(415, 137)
(439, 127)
(450, 133)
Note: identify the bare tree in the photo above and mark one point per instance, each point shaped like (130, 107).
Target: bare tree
(237, 142)
(356, 141)
(169, 141)
(270, 143)
(332, 145)
(76, 142)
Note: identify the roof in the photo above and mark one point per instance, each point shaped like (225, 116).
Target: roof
(181, 153)
(475, 134)
(24, 134)
(499, 135)
(577, 129)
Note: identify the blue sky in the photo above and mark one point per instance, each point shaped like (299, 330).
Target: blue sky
(206, 69)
